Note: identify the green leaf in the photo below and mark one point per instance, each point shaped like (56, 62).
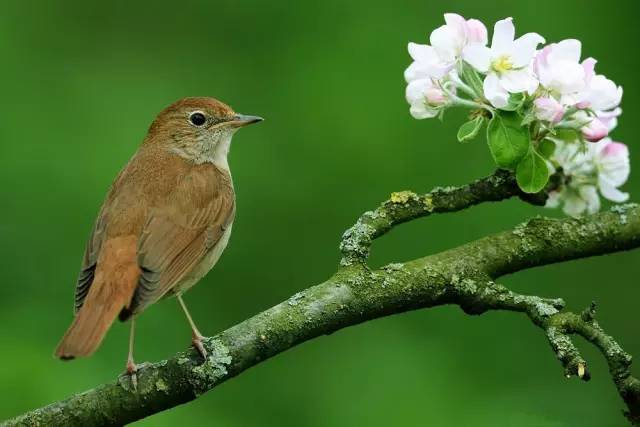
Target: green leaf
(516, 100)
(471, 77)
(568, 135)
(546, 147)
(508, 141)
(532, 173)
(529, 117)
(469, 130)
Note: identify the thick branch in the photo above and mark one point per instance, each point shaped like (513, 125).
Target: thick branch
(462, 276)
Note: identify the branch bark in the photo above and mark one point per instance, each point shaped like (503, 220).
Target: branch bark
(464, 276)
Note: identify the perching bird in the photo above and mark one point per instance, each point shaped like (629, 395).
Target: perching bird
(164, 224)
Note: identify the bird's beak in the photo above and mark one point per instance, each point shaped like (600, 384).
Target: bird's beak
(241, 120)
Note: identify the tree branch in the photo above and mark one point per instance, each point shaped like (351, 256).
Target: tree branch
(463, 276)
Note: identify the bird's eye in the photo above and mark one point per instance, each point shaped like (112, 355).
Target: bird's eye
(197, 118)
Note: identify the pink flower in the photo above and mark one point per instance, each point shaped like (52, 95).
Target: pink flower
(476, 32)
(548, 109)
(612, 163)
(595, 130)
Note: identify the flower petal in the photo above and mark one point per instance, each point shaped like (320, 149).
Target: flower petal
(610, 192)
(422, 52)
(602, 93)
(415, 71)
(419, 112)
(573, 205)
(503, 35)
(524, 49)
(553, 199)
(517, 81)
(476, 32)
(478, 56)
(568, 50)
(589, 66)
(447, 43)
(415, 91)
(590, 196)
(494, 92)
(428, 63)
(610, 118)
(548, 109)
(457, 23)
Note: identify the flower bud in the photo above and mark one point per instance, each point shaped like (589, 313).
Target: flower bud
(595, 130)
(435, 96)
(548, 109)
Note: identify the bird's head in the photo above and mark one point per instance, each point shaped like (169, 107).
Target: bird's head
(199, 129)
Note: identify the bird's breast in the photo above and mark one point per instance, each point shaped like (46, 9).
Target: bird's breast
(206, 264)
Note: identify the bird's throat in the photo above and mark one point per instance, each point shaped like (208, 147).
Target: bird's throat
(206, 151)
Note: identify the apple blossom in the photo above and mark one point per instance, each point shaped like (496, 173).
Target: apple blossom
(425, 97)
(447, 42)
(602, 166)
(450, 39)
(506, 63)
(548, 109)
(595, 130)
(539, 107)
(559, 70)
(610, 118)
(426, 63)
(575, 200)
(612, 164)
(600, 94)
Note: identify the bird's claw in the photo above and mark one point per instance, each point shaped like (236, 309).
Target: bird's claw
(197, 343)
(132, 371)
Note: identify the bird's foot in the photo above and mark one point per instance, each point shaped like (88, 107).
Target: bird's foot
(196, 341)
(132, 371)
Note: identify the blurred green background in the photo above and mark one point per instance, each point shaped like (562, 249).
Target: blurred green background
(81, 81)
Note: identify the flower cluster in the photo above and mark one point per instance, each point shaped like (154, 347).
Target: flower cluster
(544, 108)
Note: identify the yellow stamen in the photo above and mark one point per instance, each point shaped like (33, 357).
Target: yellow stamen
(502, 64)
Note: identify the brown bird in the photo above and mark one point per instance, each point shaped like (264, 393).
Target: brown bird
(164, 224)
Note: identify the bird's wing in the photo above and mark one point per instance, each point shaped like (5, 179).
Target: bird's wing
(89, 261)
(180, 231)
(94, 245)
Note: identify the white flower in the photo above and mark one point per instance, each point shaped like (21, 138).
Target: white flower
(425, 97)
(426, 63)
(548, 109)
(610, 118)
(575, 200)
(433, 65)
(507, 63)
(602, 166)
(600, 94)
(447, 42)
(450, 39)
(612, 164)
(559, 70)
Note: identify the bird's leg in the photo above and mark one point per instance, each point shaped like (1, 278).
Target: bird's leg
(196, 336)
(132, 369)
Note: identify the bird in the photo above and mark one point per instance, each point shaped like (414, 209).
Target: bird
(163, 225)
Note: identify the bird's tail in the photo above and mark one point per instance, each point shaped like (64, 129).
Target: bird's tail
(110, 291)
